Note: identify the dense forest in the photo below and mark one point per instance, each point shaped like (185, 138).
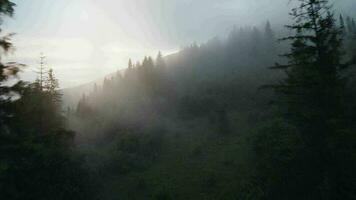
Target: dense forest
(265, 113)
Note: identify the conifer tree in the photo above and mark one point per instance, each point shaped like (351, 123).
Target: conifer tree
(130, 64)
(35, 161)
(129, 72)
(256, 36)
(161, 75)
(342, 24)
(83, 107)
(349, 24)
(160, 63)
(7, 70)
(314, 97)
(270, 43)
(269, 34)
(52, 86)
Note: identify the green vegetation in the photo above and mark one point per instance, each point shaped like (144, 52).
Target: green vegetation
(209, 122)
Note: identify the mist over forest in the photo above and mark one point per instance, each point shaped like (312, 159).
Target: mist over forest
(263, 111)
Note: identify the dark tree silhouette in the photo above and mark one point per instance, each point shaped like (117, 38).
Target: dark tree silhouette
(314, 95)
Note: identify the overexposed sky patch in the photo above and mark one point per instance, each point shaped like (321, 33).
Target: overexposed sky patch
(87, 39)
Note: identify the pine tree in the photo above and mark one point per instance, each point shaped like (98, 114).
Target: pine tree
(7, 70)
(33, 164)
(349, 24)
(353, 47)
(160, 67)
(270, 48)
(269, 34)
(83, 107)
(106, 84)
(52, 86)
(255, 36)
(129, 72)
(255, 40)
(161, 76)
(160, 63)
(314, 96)
(342, 24)
(353, 25)
(146, 72)
(130, 64)
(42, 71)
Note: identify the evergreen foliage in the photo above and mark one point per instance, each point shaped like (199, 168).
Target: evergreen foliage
(196, 124)
(314, 96)
(37, 160)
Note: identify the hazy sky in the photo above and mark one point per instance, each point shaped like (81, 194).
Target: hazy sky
(87, 39)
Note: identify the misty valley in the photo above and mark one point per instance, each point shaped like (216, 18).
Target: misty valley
(262, 112)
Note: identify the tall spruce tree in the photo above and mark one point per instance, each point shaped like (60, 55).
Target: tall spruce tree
(342, 24)
(313, 93)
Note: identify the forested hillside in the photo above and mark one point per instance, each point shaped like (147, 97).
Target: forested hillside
(198, 82)
(214, 121)
(264, 113)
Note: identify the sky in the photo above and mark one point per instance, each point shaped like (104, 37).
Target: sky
(84, 40)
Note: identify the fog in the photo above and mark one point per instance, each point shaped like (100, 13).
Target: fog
(85, 40)
(178, 99)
